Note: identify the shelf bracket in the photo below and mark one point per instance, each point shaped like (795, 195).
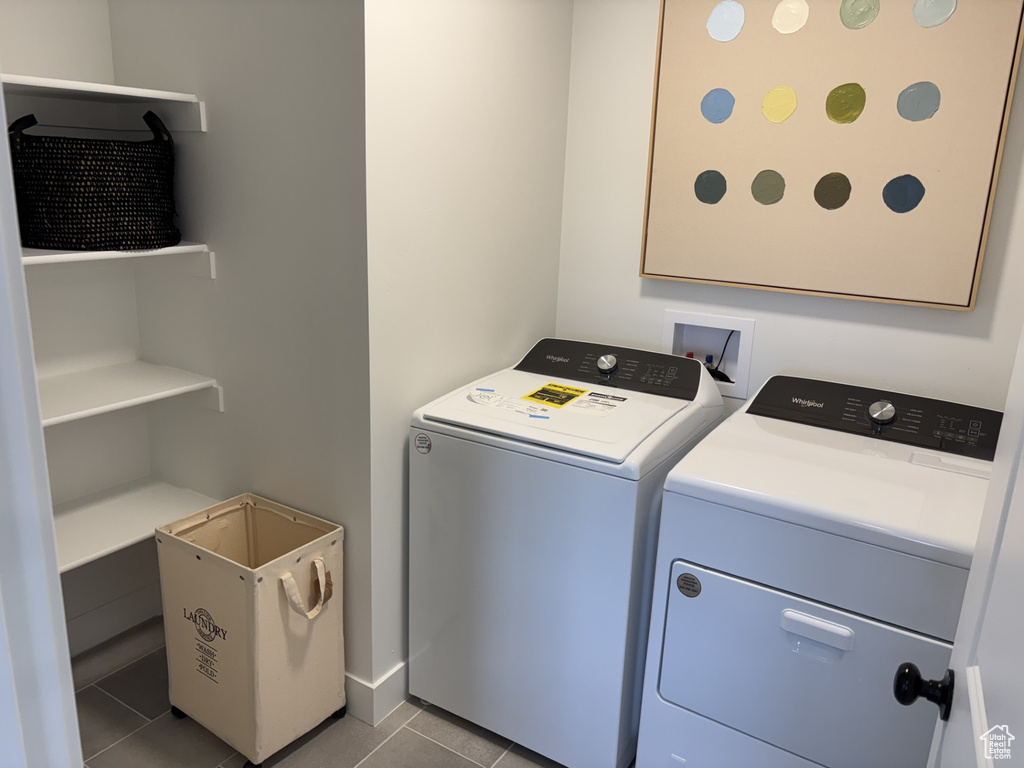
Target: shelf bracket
(212, 398)
(205, 266)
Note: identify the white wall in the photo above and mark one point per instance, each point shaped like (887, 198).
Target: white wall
(466, 119)
(962, 356)
(277, 188)
(73, 40)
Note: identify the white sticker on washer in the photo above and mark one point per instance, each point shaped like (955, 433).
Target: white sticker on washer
(598, 404)
(492, 399)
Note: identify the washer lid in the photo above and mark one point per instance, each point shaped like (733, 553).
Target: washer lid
(603, 422)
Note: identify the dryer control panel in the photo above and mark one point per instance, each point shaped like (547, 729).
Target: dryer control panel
(633, 369)
(942, 426)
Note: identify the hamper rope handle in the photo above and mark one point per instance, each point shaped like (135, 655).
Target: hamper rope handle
(295, 599)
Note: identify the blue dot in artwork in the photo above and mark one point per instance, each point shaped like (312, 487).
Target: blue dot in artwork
(903, 194)
(717, 105)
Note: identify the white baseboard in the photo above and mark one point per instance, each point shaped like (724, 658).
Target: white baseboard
(97, 626)
(372, 702)
(108, 596)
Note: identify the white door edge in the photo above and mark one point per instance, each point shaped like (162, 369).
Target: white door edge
(35, 667)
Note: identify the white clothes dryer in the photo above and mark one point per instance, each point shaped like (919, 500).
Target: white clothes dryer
(533, 502)
(815, 541)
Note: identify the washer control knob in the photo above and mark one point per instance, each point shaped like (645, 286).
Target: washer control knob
(882, 412)
(607, 364)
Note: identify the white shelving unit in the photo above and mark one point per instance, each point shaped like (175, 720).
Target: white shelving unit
(82, 394)
(72, 104)
(97, 524)
(32, 256)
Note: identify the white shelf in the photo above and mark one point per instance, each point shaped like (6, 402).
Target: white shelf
(78, 395)
(179, 111)
(39, 256)
(94, 526)
(29, 85)
(206, 265)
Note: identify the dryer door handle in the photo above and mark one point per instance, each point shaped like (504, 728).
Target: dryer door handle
(818, 630)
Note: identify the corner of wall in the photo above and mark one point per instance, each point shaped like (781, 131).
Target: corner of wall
(66, 40)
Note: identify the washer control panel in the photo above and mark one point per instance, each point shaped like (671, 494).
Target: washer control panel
(942, 426)
(620, 367)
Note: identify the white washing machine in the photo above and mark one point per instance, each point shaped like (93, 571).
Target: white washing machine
(816, 540)
(533, 503)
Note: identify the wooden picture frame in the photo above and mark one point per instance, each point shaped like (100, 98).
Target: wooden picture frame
(824, 155)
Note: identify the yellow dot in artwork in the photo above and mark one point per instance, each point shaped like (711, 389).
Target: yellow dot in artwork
(779, 104)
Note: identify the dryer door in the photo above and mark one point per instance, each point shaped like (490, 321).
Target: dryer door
(809, 679)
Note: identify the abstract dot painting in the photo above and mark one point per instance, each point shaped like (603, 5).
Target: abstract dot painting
(779, 104)
(932, 13)
(903, 194)
(710, 187)
(768, 187)
(832, 191)
(845, 103)
(717, 105)
(810, 145)
(857, 14)
(919, 101)
(790, 16)
(726, 21)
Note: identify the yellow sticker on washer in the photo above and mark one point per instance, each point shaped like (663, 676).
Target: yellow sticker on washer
(555, 395)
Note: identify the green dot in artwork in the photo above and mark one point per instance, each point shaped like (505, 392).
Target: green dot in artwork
(857, 14)
(709, 187)
(845, 103)
(768, 187)
(832, 191)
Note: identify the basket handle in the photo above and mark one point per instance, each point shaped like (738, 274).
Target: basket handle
(21, 124)
(156, 125)
(295, 599)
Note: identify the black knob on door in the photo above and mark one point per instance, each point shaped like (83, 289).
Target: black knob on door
(908, 685)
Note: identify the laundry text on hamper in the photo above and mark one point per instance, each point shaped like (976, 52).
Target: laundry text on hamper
(205, 625)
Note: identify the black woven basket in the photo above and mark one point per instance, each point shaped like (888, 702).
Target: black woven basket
(94, 194)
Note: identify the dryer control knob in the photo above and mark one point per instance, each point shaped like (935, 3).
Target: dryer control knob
(607, 364)
(882, 412)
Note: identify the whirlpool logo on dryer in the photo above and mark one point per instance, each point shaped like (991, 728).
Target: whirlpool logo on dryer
(803, 403)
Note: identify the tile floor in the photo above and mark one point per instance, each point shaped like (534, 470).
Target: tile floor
(125, 722)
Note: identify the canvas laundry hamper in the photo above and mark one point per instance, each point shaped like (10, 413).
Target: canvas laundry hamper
(253, 621)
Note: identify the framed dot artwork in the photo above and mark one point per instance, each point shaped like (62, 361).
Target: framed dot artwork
(846, 148)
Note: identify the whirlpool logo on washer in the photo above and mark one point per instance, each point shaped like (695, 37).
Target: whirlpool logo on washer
(557, 359)
(804, 403)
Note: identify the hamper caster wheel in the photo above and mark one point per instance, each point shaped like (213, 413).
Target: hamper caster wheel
(251, 764)
(340, 713)
(178, 713)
